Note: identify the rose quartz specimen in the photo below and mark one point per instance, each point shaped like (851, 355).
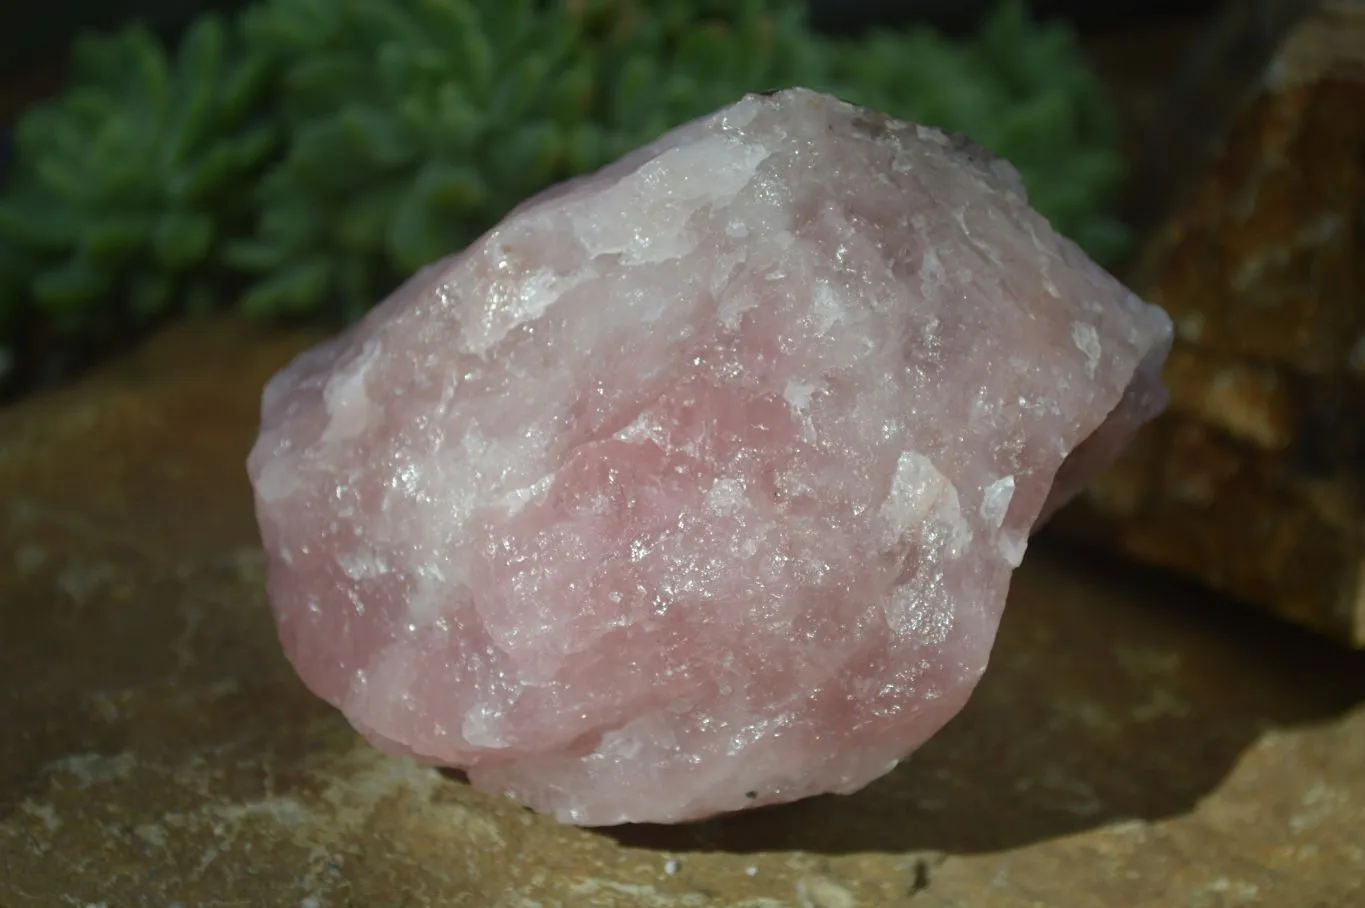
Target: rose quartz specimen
(697, 484)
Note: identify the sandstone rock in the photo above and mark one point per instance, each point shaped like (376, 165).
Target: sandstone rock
(1254, 481)
(697, 484)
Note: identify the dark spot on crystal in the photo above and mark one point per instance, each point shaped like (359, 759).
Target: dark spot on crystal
(970, 148)
(870, 125)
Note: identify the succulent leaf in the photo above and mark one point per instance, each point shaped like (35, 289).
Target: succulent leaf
(182, 239)
(294, 290)
(380, 137)
(363, 223)
(124, 183)
(258, 256)
(114, 240)
(151, 294)
(199, 74)
(67, 290)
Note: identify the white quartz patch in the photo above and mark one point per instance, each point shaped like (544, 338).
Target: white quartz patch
(922, 495)
(1087, 340)
(995, 501)
(349, 407)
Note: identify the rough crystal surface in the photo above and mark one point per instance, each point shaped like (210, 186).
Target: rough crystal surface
(697, 484)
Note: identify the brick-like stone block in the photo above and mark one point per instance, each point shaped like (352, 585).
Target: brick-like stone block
(1254, 482)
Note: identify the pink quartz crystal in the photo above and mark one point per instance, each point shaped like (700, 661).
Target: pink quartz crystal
(698, 483)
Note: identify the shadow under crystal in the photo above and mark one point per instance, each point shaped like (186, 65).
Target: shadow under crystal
(1112, 695)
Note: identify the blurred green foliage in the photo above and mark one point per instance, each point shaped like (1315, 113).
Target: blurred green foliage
(126, 185)
(304, 156)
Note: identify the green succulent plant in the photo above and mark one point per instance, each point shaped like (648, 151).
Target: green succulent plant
(126, 184)
(390, 109)
(415, 124)
(301, 158)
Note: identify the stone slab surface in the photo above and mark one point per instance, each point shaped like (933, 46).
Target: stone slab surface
(1133, 743)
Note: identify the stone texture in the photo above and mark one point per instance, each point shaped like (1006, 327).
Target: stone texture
(1254, 481)
(697, 484)
(1133, 745)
